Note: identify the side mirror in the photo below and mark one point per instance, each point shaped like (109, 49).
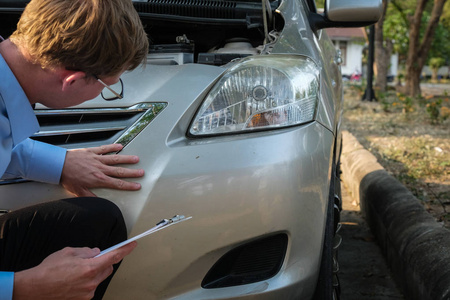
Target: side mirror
(347, 13)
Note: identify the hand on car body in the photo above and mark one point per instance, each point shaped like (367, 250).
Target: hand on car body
(91, 168)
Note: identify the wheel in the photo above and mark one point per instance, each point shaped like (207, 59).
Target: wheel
(328, 287)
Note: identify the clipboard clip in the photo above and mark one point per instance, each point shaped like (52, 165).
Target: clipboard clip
(175, 219)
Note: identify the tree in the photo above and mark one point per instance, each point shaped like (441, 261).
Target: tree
(411, 28)
(419, 47)
(396, 26)
(383, 52)
(441, 42)
(435, 63)
(395, 29)
(320, 3)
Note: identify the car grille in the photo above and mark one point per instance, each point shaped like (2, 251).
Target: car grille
(91, 127)
(80, 128)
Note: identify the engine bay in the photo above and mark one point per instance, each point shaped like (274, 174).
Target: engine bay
(208, 32)
(212, 32)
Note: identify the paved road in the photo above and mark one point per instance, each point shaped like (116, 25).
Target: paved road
(363, 270)
(435, 88)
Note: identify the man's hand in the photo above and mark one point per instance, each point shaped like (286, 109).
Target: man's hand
(89, 168)
(71, 273)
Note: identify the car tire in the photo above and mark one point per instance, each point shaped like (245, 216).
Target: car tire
(328, 286)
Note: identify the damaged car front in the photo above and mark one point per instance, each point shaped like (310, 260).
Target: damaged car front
(236, 120)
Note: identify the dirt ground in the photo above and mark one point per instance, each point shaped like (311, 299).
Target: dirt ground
(413, 150)
(364, 273)
(407, 141)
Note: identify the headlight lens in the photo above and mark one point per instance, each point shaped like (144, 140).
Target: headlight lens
(260, 92)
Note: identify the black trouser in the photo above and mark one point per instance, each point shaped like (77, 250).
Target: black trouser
(29, 235)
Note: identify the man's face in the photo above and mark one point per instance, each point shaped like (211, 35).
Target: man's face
(79, 91)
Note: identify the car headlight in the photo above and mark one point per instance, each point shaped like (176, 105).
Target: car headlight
(258, 93)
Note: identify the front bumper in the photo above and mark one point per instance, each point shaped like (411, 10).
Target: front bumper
(237, 189)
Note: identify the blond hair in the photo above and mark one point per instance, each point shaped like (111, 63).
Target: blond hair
(99, 37)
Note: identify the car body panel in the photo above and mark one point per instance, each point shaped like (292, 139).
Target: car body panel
(208, 191)
(238, 187)
(248, 192)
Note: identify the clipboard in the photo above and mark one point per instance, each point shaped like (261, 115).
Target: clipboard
(161, 225)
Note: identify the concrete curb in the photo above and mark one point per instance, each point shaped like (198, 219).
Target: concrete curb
(416, 247)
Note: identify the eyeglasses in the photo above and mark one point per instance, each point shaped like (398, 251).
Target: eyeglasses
(112, 92)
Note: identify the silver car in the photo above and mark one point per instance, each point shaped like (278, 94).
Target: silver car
(236, 120)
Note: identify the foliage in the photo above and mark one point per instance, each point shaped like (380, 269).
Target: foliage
(405, 103)
(440, 47)
(399, 102)
(320, 3)
(436, 109)
(445, 19)
(436, 62)
(396, 28)
(433, 110)
(427, 36)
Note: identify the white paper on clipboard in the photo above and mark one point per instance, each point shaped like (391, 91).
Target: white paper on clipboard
(161, 225)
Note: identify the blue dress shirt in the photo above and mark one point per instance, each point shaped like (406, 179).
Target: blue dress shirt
(19, 155)
(6, 285)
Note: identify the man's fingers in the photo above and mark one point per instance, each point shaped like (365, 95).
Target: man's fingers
(84, 252)
(116, 159)
(106, 149)
(117, 255)
(105, 181)
(120, 184)
(106, 272)
(85, 169)
(119, 172)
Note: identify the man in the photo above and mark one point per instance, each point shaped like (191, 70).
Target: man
(63, 53)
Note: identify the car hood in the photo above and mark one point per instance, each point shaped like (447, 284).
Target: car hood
(175, 84)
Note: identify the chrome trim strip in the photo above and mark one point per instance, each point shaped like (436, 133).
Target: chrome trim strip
(76, 131)
(151, 111)
(135, 108)
(141, 123)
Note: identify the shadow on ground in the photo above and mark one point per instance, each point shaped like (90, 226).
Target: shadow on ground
(363, 270)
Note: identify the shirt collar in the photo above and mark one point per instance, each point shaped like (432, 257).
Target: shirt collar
(21, 116)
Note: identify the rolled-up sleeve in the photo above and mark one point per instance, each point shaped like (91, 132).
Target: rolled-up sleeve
(36, 161)
(6, 285)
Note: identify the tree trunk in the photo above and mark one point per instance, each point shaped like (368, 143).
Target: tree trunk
(382, 53)
(418, 51)
(434, 74)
